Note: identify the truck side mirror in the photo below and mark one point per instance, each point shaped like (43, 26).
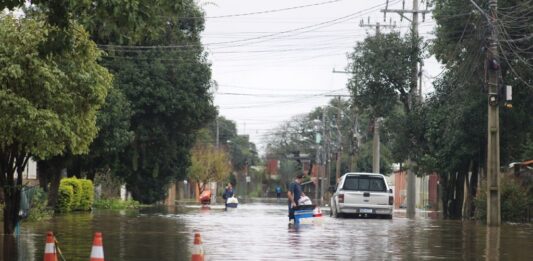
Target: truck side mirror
(390, 190)
(332, 189)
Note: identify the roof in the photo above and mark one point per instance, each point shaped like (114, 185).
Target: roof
(363, 173)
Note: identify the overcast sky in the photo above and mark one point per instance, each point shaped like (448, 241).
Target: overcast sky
(272, 64)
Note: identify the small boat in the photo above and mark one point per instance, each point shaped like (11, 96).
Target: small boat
(232, 202)
(205, 197)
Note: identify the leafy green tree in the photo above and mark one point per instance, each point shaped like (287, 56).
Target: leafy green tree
(382, 70)
(168, 88)
(114, 135)
(60, 116)
(227, 130)
(456, 114)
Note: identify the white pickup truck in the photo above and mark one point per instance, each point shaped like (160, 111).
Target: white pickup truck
(362, 194)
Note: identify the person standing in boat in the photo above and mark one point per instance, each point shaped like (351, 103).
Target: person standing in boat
(294, 194)
(228, 193)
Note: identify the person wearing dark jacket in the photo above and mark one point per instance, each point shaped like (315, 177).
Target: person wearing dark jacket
(228, 193)
(294, 194)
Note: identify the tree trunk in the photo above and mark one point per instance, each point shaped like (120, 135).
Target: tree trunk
(55, 178)
(452, 208)
(444, 195)
(11, 210)
(467, 203)
(459, 194)
(473, 187)
(12, 203)
(42, 175)
(10, 247)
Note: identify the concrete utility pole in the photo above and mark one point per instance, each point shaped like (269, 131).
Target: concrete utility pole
(375, 147)
(322, 169)
(339, 142)
(411, 179)
(493, 141)
(218, 134)
(376, 25)
(376, 139)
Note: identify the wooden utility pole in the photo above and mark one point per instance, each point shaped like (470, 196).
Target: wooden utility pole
(411, 179)
(493, 140)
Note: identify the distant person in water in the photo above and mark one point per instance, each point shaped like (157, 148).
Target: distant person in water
(228, 193)
(278, 192)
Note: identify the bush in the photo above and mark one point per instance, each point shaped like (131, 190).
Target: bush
(116, 203)
(513, 199)
(77, 190)
(87, 198)
(64, 198)
(39, 209)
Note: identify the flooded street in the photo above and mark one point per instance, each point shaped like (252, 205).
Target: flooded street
(260, 231)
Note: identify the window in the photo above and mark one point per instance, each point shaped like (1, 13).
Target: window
(364, 183)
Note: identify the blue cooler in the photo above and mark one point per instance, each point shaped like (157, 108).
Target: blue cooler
(303, 214)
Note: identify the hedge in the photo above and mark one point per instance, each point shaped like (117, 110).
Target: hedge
(76, 189)
(514, 200)
(75, 194)
(64, 198)
(87, 197)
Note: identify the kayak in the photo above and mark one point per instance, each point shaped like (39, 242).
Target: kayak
(232, 202)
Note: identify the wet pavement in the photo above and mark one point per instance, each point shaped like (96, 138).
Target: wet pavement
(260, 231)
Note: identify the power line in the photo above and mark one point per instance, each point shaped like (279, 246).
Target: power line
(318, 25)
(273, 10)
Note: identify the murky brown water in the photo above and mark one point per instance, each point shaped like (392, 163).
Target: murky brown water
(259, 231)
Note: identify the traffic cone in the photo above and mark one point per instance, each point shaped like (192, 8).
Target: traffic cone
(97, 252)
(197, 249)
(317, 212)
(50, 253)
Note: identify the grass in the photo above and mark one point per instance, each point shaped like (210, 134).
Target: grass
(115, 203)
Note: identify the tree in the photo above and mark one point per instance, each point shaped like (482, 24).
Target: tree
(381, 73)
(57, 118)
(456, 113)
(168, 89)
(208, 164)
(382, 70)
(114, 135)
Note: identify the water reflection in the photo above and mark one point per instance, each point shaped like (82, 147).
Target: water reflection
(126, 236)
(492, 247)
(258, 231)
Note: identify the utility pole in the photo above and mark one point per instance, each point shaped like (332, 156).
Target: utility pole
(218, 133)
(339, 139)
(377, 25)
(411, 179)
(339, 143)
(325, 178)
(493, 141)
(376, 139)
(376, 147)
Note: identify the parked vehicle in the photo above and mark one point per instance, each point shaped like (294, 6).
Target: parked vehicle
(362, 194)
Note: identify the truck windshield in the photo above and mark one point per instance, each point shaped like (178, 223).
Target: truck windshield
(364, 183)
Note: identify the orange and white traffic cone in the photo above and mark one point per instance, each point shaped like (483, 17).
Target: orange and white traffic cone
(197, 249)
(97, 252)
(317, 212)
(50, 253)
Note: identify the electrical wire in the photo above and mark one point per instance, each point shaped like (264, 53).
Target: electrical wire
(273, 10)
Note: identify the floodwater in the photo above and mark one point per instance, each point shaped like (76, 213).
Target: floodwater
(260, 231)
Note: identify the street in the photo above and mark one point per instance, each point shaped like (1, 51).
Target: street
(260, 231)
